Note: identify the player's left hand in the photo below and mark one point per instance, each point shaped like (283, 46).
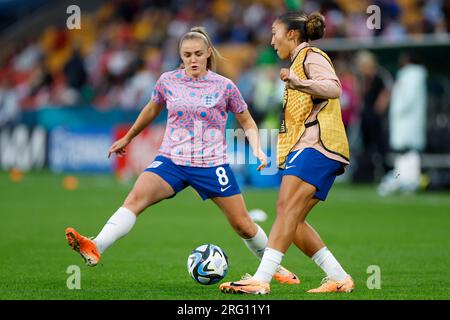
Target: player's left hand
(262, 159)
(284, 74)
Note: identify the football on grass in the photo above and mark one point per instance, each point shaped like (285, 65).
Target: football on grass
(207, 264)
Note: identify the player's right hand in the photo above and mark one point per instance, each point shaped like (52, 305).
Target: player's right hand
(118, 147)
(263, 160)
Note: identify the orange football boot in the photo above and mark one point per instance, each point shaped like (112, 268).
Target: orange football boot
(84, 246)
(247, 285)
(283, 275)
(328, 285)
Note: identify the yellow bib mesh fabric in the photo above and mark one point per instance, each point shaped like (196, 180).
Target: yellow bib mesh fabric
(298, 105)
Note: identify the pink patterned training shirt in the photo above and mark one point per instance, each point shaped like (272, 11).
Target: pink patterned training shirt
(197, 115)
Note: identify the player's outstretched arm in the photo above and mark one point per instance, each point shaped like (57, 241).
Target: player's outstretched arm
(251, 132)
(147, 115)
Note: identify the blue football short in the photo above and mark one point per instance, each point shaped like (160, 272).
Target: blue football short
(313, 167)
(218, 181)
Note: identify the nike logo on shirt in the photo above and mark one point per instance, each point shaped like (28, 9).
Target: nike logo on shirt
(288, 167)
(223, 189)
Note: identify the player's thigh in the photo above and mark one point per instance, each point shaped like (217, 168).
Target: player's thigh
(148, 189)
(294, 196)
(236, 212)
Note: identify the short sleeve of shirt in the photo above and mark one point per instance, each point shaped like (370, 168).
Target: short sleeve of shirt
(235, 102)
(158, 95)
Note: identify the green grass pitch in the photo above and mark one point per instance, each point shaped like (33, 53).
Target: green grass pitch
(407, 236)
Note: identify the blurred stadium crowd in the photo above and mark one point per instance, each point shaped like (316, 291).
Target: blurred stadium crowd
(123, 46)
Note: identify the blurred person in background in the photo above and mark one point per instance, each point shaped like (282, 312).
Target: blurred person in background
(9, 103)
(349, 108)
(407, 126)
(246, 82)
(375, 84)
(75, 71)
(136, 91)
(268, 92)
(61, 93)
(349, 96)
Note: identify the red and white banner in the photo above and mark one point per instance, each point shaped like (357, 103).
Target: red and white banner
(140, 152)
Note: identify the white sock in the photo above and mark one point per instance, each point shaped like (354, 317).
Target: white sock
(269, 265)
(120, 223)
(258, 243)
(328, 263)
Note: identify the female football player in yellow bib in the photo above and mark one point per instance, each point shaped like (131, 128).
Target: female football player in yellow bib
(312, 151)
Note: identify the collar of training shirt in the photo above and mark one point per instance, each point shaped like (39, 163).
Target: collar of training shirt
(297, 50)
(189, 78)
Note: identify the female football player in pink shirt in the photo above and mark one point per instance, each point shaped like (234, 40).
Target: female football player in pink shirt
(193, 151)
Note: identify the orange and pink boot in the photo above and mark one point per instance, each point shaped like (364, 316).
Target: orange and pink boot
(84, 246)
(284, 276)
(250, 286)
(328, 286)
